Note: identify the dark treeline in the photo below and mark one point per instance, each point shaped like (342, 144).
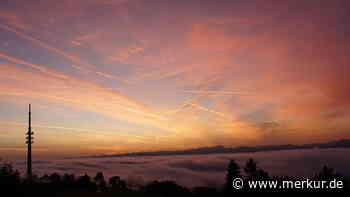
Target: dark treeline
(67, 185)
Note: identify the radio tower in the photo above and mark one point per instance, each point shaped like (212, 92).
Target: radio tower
(29, 141)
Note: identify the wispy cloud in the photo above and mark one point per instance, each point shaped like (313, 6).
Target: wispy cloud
(180, 77)
(34, 66)
(214, 92)
(88, 67)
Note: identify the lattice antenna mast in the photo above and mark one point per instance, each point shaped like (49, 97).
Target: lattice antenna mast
(29, 142)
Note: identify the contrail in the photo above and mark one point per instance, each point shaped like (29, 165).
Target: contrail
(112, 77)
(174, 111)
(196, 105)
(213, 92)
(55, 50)
(35, 66)
(185, 105)
(72, 129)
(44, 45)
(50, 72)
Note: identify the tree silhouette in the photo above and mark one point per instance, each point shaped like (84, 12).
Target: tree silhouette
(117, 184)
(204, 191)
(44, 179)
(99, 177)
(262, 174)
(84, 182)
(55, 178)
(67, 185)
(326, 173)
(100, 181)
(8, 175)
(68, 179)
(251, 169)
(166, 189)
(9, 179)
(114, 180)
(233, 171)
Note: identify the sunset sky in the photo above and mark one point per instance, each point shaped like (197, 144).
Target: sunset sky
(116, 76)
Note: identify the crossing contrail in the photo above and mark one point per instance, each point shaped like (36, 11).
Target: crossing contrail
(76, 60)
(214, 92)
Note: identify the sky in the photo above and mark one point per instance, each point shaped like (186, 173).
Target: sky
(116, 76)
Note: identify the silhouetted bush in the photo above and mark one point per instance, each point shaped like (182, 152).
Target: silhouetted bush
(233, 171)
(204, 191)
(166, 189)
(67, 185)
(84, 182)
(100, 182)
(117, 184)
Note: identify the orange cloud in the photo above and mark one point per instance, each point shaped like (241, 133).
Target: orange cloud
(247, 77)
